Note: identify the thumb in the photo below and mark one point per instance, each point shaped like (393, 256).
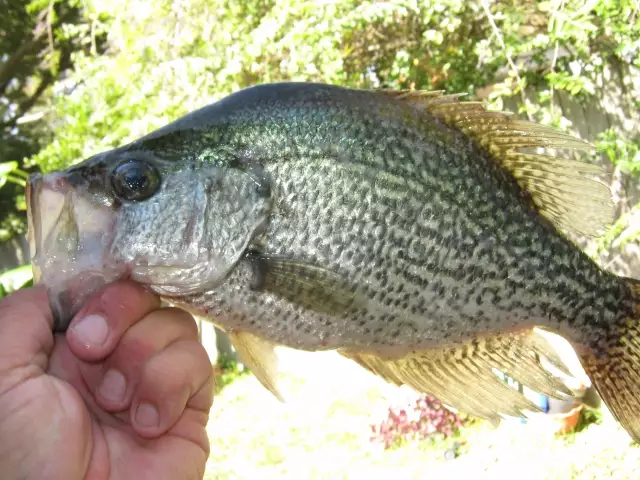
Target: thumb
(26, 338)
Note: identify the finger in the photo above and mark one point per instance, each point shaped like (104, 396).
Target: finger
(25, 329)
(98, 327)
(178, 377)
(114, 381)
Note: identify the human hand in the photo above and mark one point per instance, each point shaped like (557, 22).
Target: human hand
(125, 394)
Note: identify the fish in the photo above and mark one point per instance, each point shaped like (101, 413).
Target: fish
(424, 237)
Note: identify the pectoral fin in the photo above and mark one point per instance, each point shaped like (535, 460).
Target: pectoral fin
(314, 287)
(464, 376)
(259, 356)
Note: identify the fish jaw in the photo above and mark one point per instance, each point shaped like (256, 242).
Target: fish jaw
(69, 238)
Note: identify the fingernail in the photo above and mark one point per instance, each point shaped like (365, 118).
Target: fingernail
(147, 415)
(92, 330)
(113, 386)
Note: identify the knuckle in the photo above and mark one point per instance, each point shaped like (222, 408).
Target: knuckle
(166, 377)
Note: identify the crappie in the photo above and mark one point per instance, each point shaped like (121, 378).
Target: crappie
(416, 234)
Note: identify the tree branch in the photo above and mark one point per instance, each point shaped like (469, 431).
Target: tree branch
(8, 67)
(41, 32)
(24, 107)
(514, 68)
(47, 79)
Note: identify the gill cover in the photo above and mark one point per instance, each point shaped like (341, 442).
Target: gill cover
(193, 231)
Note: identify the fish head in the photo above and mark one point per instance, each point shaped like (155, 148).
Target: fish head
(177, 226)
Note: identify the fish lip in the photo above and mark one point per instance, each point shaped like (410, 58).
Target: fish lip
(39, 242)
(34, 182)
(70, 242)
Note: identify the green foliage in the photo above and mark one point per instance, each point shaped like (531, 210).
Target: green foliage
(35, 51)
(15, 279)
(200, 51)
(588, 417)
(227, 371)
(10, 172)
(622, 151)
(170, 57)
(12, 177)
(625, 153)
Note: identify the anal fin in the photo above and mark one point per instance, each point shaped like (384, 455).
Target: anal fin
(464, 376)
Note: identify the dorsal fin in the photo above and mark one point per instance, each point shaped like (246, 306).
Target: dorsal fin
(560, 187)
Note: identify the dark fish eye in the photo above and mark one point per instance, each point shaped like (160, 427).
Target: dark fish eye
(135, 180)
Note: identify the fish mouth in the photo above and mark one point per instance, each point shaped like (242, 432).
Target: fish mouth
(69, 238)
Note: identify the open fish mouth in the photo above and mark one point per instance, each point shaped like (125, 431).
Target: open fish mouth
(69, 238)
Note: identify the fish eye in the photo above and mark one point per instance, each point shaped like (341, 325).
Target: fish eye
(135, 180)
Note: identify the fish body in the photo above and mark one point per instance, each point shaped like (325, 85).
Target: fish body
(439, 240)
(418, 235)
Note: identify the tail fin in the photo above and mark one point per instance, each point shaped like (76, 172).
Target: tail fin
(614, 369)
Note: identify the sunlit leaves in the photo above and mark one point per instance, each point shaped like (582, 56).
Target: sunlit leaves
(10, 172)
(15, 279)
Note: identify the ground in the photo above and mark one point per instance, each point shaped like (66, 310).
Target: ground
(323, 432)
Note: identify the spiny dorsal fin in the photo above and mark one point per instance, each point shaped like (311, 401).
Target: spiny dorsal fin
(259, 355)
(464, 377)
(558, 186)
(424, 98)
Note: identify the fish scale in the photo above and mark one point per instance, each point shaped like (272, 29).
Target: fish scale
(293, 236)
(418, 235)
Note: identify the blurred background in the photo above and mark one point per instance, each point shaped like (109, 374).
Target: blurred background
(81, 76)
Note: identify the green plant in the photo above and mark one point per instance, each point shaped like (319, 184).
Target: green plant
(15, 279)
(227, 370)
(37, 45)
(11, 172)
(588, 417)
(620, 149)
(12, 182)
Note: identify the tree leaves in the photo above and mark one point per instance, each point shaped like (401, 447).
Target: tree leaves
(34, 53)
(15, 279)
(10, 172)
(164, 58)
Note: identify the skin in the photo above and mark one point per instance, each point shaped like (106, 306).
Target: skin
(64, 413)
